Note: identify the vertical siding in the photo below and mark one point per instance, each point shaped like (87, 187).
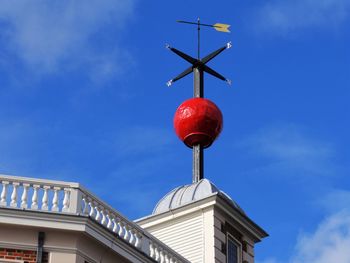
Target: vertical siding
(184, 235)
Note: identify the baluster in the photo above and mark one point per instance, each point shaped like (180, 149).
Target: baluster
(92, 208)
(44, 204)
(66, 200)
(161, 256)
(109, 220)
(24, 202)
(103, 217)
(14, 195)
(132, 239)
(121, 229)
(127, 233)
(138, 242)
(86, 206)
(115, 226)
(34, 204)
(3, 193)
(98, 214)
(156, 251)
(166, 258)
(152, 253)
(55, 207)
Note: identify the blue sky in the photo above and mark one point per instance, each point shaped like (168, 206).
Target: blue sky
(83, 98)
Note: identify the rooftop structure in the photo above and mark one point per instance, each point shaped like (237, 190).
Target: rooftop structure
(204, 224)
(78, 226)
(190, 193)
(63, 222)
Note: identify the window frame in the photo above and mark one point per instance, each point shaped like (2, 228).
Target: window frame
(230, 237)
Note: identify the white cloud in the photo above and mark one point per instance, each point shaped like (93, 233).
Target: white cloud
(291, 150)
(329, 243)
(290, 15)
(56, 35)
(330, 240)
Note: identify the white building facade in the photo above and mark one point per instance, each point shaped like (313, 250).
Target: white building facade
(62, 222)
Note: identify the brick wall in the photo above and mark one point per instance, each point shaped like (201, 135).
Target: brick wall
(27, 256)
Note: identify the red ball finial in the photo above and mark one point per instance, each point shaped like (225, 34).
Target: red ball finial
(198, 121)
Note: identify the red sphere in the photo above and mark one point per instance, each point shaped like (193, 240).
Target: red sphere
(198, 121)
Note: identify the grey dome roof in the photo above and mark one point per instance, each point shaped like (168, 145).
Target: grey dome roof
(190, 193)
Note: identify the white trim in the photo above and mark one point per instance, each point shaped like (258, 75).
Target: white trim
(82, 224)
(246, 225)
(244, 221)
(5, 177)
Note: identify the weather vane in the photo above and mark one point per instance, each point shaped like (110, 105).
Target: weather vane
(198, 121)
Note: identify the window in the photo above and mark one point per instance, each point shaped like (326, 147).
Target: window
(233, 250)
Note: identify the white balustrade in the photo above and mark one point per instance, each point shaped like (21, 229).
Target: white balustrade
(71, 198)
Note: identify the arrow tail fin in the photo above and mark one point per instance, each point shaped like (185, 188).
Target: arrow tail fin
(222, 27)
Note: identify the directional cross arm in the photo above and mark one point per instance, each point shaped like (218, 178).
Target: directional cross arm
(215, 53)
(198, 64)
(183, 55)
(180, 76)
(215, 74)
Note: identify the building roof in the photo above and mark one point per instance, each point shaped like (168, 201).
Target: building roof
(190, 193)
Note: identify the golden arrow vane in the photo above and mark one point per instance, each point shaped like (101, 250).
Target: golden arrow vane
(218, 26)
(222, 27)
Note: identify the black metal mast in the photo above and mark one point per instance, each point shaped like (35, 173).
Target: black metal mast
(198, 67)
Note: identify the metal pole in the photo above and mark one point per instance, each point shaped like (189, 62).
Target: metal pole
(198, 153)
(199, 30)
(39, 252)
(198, 91)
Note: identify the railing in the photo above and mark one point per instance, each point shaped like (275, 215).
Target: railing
(71, 198)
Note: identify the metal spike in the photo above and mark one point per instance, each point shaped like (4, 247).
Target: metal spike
(169, 83)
